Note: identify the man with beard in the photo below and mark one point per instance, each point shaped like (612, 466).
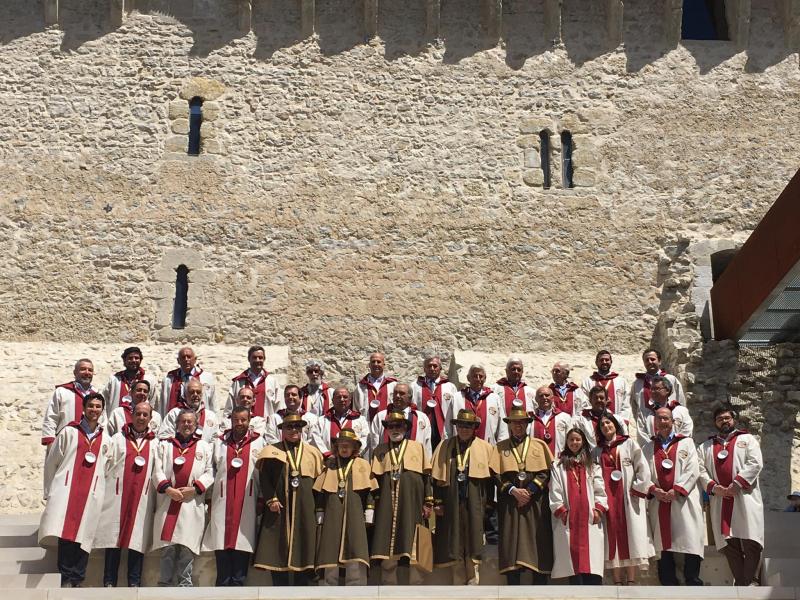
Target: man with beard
(207, 422)
(660, 392)
(549, 424)
(641, 388)
(127, 518)
(176, 380)
(66, 405)
(567, 396)
(316, 395)
(288, 533)
(264, 385)
(434, 395)
(403, 500)
(461, 480)
(512, 389)
(419, 429)
(293, 403)
(118, 388)
(375, 389)
(246, 397)
(730, 463)
(231, 532)
(123, 414)
(615, 385)
(589, 418)
(521, 467)
(339, 416)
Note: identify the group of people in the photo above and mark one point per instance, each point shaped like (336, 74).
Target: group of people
(381, 483)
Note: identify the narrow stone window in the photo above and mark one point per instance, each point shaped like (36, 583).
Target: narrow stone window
(195, 121)
(566, 160)
(544, 157)
(704, 20)
(179, 308)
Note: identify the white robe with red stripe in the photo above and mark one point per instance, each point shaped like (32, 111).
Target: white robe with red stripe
(268, 399)
(525, 393)
(677, 526)
(171, 389)
(420, 430)
(366, 393)
(553, 432)
(578, 546)
(640, 400)
(65, 406)
(492, 429)
(617, 392)
(318, 401)
(587, 423)
(273, 434)
(444, 395)
(74, 488)
(743, 515)
(628, 540)
(257, 424)
(233, 522)
(646, 426)
(182, 522)
(123, 415)
(328, 426)
(207, 424)
(574, 400)
(117, 388)
(127, 519)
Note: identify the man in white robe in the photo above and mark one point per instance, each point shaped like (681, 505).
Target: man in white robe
(339, 416)
(127, 518)
(433, 394)
(176, 379)
(660, 392)
(512, 389)
(374, 390)
(549, 424)
(675, 510)
(484, 403)
(246, 396)
(639, 396)
(118, 388)
(207, 421)
(182, 474)
(568, 396)
(265, 386)
(730, 463)
(123, 414)
(231, 532)
(293, 403)
(66, 404)
(616, 386)
(419, 428)
(74, 490)
(316, 395)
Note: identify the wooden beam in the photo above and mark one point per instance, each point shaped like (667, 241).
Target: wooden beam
(673, 19)
(433, 14)
(370, 18)
(51, 12)
(492, 18)
(790, 17)
(245, 16)
(614, 22)
(552, 20)
(307, 17)
(117, 12)
(739, 22)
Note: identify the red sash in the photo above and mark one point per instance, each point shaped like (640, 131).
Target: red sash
(724, 470)
(304, 395)
(125, 383)
(578, 518)
(435, 414)
(81, 485)
(181, 475)
(566, 403)
(546, 433)
(382, 394)
(607, 382)
(479, 408)
(134, 480)
(175, 386)
(335, 426)
(236, 485)
(666, 479)
(79, 396)
(259, 391)
(616, 519)
(509, 395)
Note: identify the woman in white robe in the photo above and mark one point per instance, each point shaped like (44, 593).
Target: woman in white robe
(577, 503)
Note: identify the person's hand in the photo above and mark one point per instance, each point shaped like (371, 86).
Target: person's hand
(438, 510)
(565, 517)
(174, 494)
(275, 506)
(521, 496)
(188, 493)
(426, 511)
(596, 518)
(670, 496)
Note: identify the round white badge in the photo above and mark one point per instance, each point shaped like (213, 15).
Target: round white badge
(374, 403)
(199, 431)
(237, 463)
(461, 477)
(179, 460)
(126, 400)
(521, 475)
(295, 482)
(616, 475)
(431, 403)
(667, 464)
(722, 454)
(139, 461)
(90, 457)
(396, 475)
(516, 402)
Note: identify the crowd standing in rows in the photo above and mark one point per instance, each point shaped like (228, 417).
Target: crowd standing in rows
(378, 485)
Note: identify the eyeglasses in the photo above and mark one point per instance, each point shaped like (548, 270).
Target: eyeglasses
(395, 425)
(293, 426)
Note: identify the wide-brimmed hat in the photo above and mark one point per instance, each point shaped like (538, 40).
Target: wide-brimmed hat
(347, 435)
(292, 418)
(795, 494)
(518, 414)
(394, 417)
(466, 417)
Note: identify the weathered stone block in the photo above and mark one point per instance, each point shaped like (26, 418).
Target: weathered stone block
(180, 126)
(533, 177)
(207, 130)
(213, 146)
(207, 89)
(531, 158)
(177, 143)
(211, 111)
(178, 109)
(582, 177)
(202, 276)
(528, 141)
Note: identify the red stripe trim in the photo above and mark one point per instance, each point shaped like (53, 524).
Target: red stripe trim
(680, 490)
(133, 484)
(46, 441)
(83, 474)
(742, 482)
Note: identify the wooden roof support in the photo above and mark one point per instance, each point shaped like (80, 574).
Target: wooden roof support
(552, 20)
(51, 12)
(370, 18)
(433, 14)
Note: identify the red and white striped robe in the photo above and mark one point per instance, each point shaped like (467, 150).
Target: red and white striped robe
(487, 407)
(268, 399)
(118, 388)
(616, 391)
(420, 429)
(123, 415)
(366, 392)
(554, 432)
(328, 427)
(171, 389)
(573, 402)
(65, 406)
(507, 394)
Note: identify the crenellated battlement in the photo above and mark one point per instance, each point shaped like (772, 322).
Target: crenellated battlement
(492, 14)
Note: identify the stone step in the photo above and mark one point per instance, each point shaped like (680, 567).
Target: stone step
(20, 519)
(30, 581)
(28, 553)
